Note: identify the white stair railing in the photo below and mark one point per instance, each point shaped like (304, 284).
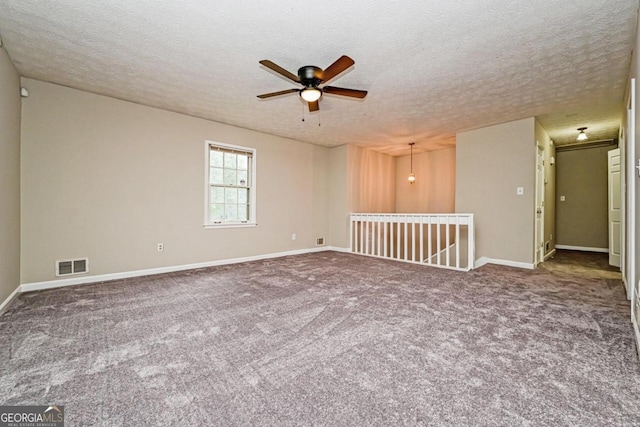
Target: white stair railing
(439, 240)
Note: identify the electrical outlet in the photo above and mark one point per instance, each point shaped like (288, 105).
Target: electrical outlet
(520, 191)
(160, 247)
(562, 198)
(293, 236)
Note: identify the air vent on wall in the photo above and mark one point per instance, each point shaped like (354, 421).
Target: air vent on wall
(320, 241)
(68, 267)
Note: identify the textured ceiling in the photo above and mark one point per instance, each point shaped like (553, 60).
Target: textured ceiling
(432, 68)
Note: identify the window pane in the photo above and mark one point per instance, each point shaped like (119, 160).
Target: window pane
(243, 195)
(215, 176)
(243, 212)
(230, 195)
(215, 158)
(217, 212)
(230, 160)
(230, 184)
(230, 177)
(242, 162)
(231, 212)
(217, 195)
(242, 178)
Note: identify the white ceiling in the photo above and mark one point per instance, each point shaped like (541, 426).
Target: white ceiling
(432, 67)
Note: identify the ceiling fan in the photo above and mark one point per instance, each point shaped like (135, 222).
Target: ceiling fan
(311, 77)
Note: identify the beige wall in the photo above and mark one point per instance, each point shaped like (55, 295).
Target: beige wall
(435, 185)
(581, 220)
(361, 180)
(370, 181)
(9, 176)
(338, 208)
(490, 164)
(108, 180)
(542, 137)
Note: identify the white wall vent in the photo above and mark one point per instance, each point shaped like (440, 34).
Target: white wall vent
(68, 267)
(320, 241)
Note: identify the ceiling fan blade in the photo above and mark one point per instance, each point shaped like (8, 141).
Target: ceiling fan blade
(278, 69)
(314, 106)
(353, 93)
(336, 68)
(282, 92)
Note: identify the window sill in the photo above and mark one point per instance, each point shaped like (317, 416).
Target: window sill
(232, 225)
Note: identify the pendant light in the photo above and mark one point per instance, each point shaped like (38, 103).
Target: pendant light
(412, 177)
(581, 135)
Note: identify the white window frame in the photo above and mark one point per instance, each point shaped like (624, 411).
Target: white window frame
(251, 222)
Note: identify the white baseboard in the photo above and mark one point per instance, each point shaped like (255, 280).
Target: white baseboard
(5, 304)
(51, 284)
(550, 254)
(582, 248)
(484, 260)
(338, 249)
(636, 331)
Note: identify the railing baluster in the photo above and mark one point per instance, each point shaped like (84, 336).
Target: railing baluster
(384, 226)
(406, 239)
(438, 242)
(421, 239)
(447, 248)
(378, 238)
(398, 240)
(413, 238)
(373, 236)
(430, 254)
(457, 243)
(471, 260)
(391, 245)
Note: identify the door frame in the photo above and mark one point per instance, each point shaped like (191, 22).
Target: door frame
(539, 249)
(630, 265)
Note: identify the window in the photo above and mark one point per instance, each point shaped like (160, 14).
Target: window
(230, 185)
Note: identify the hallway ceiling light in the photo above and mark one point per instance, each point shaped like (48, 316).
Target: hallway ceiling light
(581, 135)
(412, 177)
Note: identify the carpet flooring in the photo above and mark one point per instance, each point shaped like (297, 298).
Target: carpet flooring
(331, 339)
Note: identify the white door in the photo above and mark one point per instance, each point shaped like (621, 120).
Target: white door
(539, 250)
(615, 207)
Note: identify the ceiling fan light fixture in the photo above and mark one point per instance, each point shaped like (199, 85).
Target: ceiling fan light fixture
(310, 94)
(581, 135)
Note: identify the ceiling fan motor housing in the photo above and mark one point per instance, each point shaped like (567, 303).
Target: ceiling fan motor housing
(310, 75)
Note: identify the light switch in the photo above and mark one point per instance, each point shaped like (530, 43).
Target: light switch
(562, 198)
(520, 191)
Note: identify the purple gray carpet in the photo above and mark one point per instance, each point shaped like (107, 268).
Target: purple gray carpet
(331, 339)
